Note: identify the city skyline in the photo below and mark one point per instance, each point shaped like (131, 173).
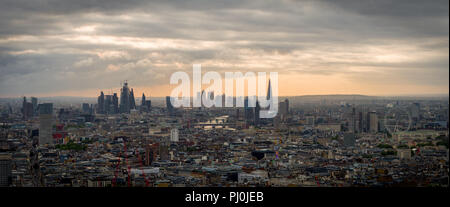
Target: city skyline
(317, 47)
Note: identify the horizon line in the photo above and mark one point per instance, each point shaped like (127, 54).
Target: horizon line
(399, 95)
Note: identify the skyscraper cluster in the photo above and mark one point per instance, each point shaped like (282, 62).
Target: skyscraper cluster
(109, 104)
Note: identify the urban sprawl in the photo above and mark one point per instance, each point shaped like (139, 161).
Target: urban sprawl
(325, 141)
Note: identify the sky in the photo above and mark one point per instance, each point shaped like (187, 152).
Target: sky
(79, 48)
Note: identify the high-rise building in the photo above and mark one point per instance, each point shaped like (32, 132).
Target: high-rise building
(86, 108)
(115, 103)
(132, 100)
(125, 104)
(34, 102)
(257, 110)
(27, 109)
(148, 105)
(284, 109)
(143, 100)
(362, 119)
(127, 101)
(108, 104)
(5, 169)
(45, 123)
(169, 104)
(101, 103)
(145, 104)
(248, 112)
(372, 122)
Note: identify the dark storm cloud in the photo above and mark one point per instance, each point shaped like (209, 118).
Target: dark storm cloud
(394, 8)
(95, 44)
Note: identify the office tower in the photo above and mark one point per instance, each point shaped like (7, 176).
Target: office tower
(286, 101)
(86, 108)
(27, 109)
(169, 104)
(372, 121)
(148, 104)
(34, 102)
(101, 103)
(362, 124)
(284, 109)
(281, 109)
(349, 140)
(45, 123)
(143, 100)
(125, 99)
(115, 103)
(5, 169)
(108, 107)
(132, 100)
(174, 135)
(145, 104)
(248, 111)
(257, 110)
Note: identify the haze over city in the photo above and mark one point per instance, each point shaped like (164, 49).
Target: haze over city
(317, 47)
(236, 97)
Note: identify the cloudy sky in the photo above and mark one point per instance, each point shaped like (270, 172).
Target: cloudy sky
(77, 48)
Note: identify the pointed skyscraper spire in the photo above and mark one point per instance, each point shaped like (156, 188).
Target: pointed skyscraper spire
(143, 99)
(132, 101)
(269, 92)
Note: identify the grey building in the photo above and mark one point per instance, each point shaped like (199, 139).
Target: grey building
(45, 123)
